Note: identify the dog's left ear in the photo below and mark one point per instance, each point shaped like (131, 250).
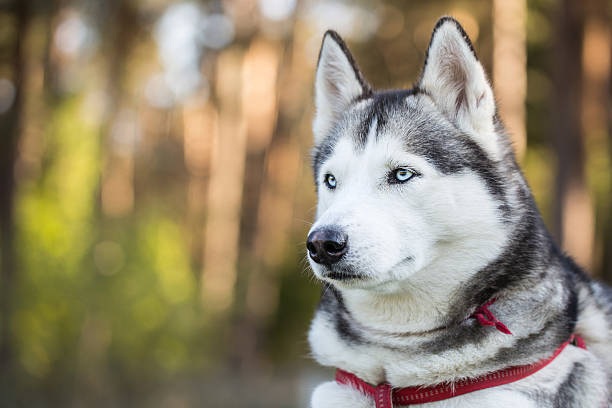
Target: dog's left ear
(456, 81)
(338, 84)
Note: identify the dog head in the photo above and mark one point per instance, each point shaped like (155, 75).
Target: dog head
(410, 182)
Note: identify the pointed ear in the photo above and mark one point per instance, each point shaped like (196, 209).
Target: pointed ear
(455, 79)
(338, 84)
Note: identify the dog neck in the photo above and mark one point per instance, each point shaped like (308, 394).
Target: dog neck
(409, 312)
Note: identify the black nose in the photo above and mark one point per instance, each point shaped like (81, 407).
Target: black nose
(327, 245)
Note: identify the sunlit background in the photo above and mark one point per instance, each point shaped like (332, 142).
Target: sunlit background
(155, 188)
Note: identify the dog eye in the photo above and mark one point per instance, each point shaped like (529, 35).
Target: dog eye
(330, 181)
(401, 175)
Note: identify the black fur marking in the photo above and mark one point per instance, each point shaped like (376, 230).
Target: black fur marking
(383, 102)
(471, 156)
(456, 337)
(540, 398)
(365, 86)
(332, 303)
(566, 397)
(478, 162)
(543, 343)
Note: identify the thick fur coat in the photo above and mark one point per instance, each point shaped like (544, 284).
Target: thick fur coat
(423, 216)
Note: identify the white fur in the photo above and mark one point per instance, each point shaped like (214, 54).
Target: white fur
(334, 395)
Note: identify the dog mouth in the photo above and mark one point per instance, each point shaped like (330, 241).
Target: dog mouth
(343, 274)
(347, 275)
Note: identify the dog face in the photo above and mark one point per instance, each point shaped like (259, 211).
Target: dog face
(409, 182)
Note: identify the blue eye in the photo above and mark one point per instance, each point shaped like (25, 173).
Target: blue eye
(401, 175)
(330, 181)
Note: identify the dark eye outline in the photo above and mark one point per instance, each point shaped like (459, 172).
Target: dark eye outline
(393, 175)
(330, 181)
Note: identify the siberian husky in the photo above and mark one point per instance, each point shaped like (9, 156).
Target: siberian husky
(437, 269)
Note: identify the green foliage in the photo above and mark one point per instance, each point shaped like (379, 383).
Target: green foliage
(55, 229)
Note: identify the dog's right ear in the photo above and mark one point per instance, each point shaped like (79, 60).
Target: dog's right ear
(457, 83)
(338, 84)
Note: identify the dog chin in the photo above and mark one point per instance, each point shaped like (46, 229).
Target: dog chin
(347, 277)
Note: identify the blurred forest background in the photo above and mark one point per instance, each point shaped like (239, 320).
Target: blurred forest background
(155, 188)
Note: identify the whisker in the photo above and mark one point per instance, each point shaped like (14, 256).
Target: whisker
(304, 221)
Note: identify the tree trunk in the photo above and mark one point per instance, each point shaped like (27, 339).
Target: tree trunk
(573, 225)
(595, 96)
(9, 131)
(510, 67)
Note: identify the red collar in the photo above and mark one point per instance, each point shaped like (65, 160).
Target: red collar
(385, 395)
